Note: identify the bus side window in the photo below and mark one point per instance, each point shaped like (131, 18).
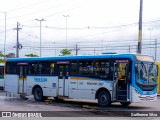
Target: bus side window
(52, 68)
(1, 71)
(74, 68)
(11, 68)
(33, 68)
(40, 71)
(86, 67)
(101, 69)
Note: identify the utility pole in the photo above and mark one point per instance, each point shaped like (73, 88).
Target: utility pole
(94, 51)
(66, 16)
(140, 29)
(155, 49)
(76, 49)
(40, 32)
(5, 33)
(129, 48)
(150, 38)
(18, 46)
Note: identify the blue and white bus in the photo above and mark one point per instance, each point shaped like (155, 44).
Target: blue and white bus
(123, 78)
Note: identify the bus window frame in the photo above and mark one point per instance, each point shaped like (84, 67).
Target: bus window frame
(16, 68)
(40, 73)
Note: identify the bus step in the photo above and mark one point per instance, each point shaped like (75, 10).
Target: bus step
(122, 92)
(124, 97)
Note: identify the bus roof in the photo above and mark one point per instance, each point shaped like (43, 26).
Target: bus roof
(131, 56)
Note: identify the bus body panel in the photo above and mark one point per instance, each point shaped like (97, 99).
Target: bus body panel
(82, 94)
(51, 86)
(137, 97)
(87, 87)
(11, 83)
(2, 82)
(73, 84)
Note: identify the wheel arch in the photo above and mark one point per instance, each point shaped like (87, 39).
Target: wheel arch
(35, 87)
(102, 89)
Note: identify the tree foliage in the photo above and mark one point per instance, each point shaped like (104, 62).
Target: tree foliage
(1, 60)
(65, 52)
(31, 55)
(10, 55)
(1, 55)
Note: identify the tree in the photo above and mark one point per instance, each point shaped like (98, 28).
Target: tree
(1, 55)
(1, 60)
(65, 52)
(31, 55)
(10, 55)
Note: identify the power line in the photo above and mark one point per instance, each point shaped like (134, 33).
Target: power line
(30, 5)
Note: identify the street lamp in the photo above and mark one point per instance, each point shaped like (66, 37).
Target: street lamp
(66, 16)
(40, 20)
(5, 34)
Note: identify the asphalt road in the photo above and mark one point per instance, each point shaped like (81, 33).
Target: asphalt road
(74, 109)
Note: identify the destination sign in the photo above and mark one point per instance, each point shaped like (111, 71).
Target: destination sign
(122, 61)
(62, 62)
(145, 58)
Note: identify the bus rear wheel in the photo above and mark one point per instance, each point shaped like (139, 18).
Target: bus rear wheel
(38, 94)
(104, 99)
(125, 103)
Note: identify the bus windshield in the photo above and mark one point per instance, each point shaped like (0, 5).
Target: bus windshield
(146, 75)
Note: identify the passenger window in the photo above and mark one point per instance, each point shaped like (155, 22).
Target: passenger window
(86, 67)
(1, 70)
(41, 68)
(11, 68)
(73, 68)
(33, 68)
(101, 69)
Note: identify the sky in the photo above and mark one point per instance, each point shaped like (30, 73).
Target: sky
(94, 25)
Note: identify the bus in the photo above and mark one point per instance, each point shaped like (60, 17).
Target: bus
(158, 80)
(1, 76)
(107, 78)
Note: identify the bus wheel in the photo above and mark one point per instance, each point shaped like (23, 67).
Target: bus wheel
(104, 99)
(38, 94)
(125, 103)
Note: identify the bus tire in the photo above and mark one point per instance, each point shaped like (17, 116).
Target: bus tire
(125, 103)
(104, 99)
(38, 94)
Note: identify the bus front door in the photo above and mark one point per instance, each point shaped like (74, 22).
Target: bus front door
(63, 80)
(121, 82)
(22, 70)
(115, 82)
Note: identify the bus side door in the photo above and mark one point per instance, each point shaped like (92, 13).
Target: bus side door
(22, 82)
(115, 81)
(63, 81)
(121, 80)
